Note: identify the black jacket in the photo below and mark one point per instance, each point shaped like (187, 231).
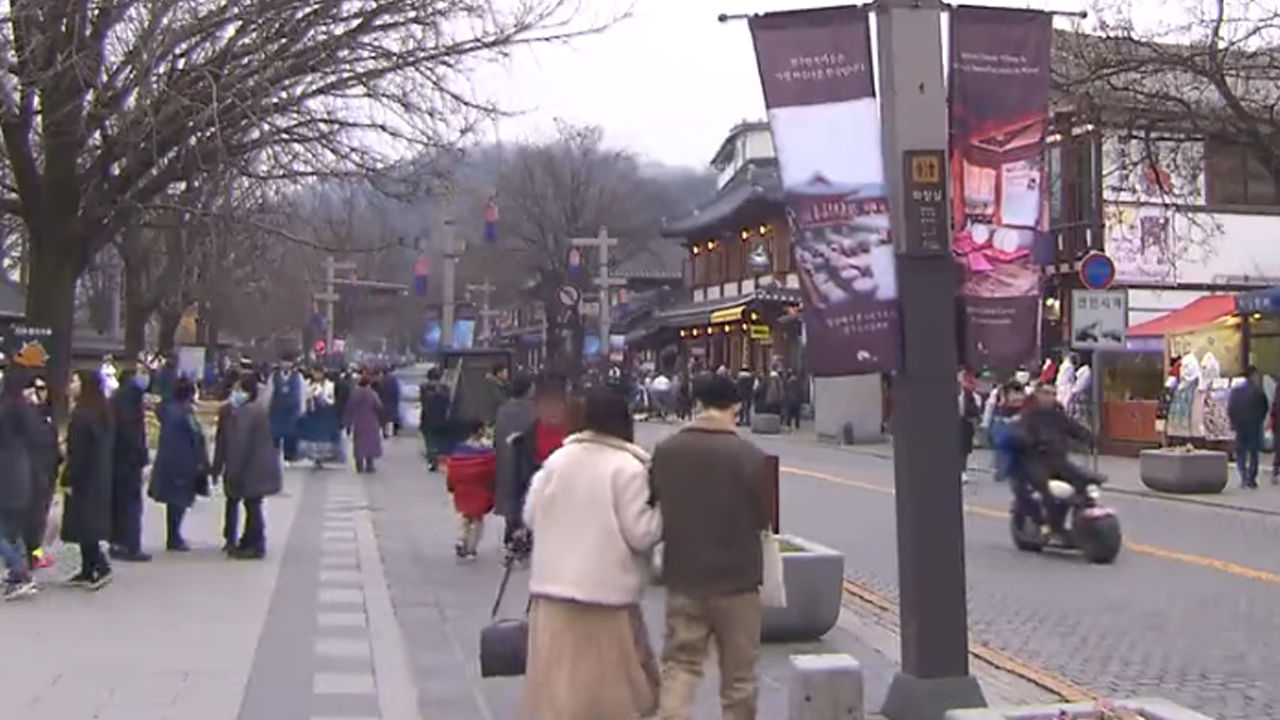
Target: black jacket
(1247, 407)
(434, 399)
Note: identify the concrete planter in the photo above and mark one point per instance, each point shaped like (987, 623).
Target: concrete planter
(814, 577)
(1148, 708)
(1199, 472)
(766, 424)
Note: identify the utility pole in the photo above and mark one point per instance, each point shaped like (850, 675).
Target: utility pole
(603, 280)
(452, 251)
(486, 311)
(330, 295)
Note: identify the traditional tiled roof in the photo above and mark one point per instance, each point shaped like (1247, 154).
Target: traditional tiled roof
(655, 259)
(759, 184)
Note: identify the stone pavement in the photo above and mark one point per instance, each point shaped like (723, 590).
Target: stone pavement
(359, 612)
(170, 640)
(1187, 612)
(441, 607)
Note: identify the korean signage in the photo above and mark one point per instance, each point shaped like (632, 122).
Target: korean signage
(1099, 319)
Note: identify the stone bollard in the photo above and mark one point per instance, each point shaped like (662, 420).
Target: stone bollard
(825, 687)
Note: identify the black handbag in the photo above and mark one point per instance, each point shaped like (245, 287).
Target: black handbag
(504, 644)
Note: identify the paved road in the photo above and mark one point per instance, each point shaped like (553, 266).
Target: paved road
(1188, 612)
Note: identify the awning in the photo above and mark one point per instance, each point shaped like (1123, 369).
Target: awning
(1195, 315)
(1266, 300)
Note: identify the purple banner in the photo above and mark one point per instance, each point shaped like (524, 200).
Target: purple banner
(815, 68)
(999, 88)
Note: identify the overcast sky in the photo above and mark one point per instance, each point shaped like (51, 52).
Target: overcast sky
(669, 82)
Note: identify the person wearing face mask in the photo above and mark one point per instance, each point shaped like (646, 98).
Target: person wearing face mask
(129, 455)
(245, 459)
(46, 456)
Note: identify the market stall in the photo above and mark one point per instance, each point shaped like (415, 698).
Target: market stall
(1183, 389)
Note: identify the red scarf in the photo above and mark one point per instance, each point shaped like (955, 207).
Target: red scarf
(547, 438)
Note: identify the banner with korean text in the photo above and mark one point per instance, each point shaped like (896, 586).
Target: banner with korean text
(999, 99)
(819, 88)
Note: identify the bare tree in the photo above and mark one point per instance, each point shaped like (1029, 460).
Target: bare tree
(570, 187)
(1208, 72)
(105, 106)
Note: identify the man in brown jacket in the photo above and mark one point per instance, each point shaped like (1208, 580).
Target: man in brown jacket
(707, 480)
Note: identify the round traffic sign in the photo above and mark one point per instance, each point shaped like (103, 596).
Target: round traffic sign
(568, 295)
(1097, 271)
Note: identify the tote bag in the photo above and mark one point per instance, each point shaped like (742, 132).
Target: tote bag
(773, 591)
(504, 644)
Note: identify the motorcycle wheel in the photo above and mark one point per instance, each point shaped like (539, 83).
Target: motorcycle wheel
(1099, 539)
(1021, 539)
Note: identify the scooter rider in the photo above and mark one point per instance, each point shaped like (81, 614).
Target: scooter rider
(1043, 435)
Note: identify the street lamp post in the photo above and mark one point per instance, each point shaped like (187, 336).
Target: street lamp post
(930, 518)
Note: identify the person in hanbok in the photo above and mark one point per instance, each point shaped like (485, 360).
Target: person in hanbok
(320, 428)
(362, 417)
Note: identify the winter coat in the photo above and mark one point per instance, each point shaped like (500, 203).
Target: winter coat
(1247, 407)
(434, 398)
(363, 417)
(471, 479)
(181, 469)
(514, 418)
(86, 513)
(129, 451)
(388, 390)
(20, 436)
(286, 402)
(589, 509)
(243, 455)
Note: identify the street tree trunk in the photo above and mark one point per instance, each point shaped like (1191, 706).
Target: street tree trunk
(137, 312)
(168, 330)
(50, 303)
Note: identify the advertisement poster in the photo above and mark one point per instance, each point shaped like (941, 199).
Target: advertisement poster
(999, 100)
(819, 88)
(29, 347)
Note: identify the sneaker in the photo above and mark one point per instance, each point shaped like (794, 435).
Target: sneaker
(460, 550)
(18, 589)
(248, 553)
(80, 580)
(101, 579)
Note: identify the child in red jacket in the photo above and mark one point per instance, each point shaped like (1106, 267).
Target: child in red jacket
(470, 478)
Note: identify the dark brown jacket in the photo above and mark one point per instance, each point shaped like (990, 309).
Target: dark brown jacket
(709, 483)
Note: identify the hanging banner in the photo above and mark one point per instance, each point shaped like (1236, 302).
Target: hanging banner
(815, 68)
(999, 88)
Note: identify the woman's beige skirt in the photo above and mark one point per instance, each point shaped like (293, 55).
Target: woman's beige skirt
(588, 662)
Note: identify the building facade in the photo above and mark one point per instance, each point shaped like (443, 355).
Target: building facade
(1181, 217)
(742, 299)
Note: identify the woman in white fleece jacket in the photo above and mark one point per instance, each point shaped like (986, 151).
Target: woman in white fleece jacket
(594, 530)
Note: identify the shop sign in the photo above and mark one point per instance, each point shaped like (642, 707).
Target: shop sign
(1099, 319)
(760, 332)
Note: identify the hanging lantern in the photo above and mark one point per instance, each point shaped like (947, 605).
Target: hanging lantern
(759, 261)
(695, 249)
(746, 234)
(711, 245)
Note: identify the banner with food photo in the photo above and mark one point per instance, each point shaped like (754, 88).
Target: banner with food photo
(999, 104)
(819, 88)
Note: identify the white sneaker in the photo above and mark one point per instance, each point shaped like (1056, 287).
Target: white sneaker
(19, 590)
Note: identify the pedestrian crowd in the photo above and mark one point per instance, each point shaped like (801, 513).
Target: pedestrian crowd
(596, 517)
(87, 489)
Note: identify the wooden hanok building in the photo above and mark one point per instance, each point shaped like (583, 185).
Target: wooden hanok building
(742, 300)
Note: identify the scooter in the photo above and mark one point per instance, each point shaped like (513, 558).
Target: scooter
(1090, 527)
